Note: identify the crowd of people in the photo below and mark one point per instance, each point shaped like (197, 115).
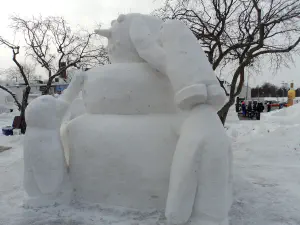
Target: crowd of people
(252, 110)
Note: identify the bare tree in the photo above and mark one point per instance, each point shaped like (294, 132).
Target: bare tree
(51, 43)
(13, 72)
(22, 106)
(239, 33)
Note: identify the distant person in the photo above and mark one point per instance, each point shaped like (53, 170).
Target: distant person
(249, 109)
(237, 107)
(269, 107)
(244, 109)
(260, 109)
(254, 106)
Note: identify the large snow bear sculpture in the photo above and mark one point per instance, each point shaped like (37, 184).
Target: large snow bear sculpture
(151, 137)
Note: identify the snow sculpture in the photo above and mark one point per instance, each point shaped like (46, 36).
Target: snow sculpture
(150, 136)
(44, 164)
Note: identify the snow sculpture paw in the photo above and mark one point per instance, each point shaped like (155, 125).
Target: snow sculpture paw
(190, 96)
(216, 96)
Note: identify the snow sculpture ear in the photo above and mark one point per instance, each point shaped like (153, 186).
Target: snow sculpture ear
(146, 44)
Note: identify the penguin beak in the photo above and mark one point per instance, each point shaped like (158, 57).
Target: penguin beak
(104, 32)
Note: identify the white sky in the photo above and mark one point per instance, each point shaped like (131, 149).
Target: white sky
(89, 13)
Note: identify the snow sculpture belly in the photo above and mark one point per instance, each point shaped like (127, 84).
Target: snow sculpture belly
(121, 150)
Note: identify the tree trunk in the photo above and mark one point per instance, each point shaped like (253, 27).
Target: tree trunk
(48, 86)
(23, 108)
(224, 111)
(240, 72)
(46, 90)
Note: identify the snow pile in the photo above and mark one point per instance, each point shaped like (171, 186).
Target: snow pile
(289, 115)
(232, 116)
(267, 188)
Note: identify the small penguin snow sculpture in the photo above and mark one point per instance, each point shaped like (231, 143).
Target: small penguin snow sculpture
(45, 168)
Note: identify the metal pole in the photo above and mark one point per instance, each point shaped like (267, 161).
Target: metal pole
(247, 87)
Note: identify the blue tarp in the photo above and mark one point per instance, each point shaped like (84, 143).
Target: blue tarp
(61, 87)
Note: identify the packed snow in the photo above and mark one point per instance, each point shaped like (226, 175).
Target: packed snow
(266, 182)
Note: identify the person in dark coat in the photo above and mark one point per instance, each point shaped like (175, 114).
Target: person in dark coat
(255, 106)
(260, 109)
(269, 107)
(249, 109)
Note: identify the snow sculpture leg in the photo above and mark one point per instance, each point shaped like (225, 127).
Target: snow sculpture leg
(200, 182)
(45, 173)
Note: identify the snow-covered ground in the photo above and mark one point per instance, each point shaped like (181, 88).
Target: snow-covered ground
(266, 191)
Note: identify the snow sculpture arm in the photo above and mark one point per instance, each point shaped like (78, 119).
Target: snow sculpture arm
(187, 67)
(73, 89)
(147, 44)
(176, 53)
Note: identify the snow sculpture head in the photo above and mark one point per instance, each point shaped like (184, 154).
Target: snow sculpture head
(121, 49)
(45, 112)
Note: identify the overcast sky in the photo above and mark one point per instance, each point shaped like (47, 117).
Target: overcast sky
(89, 13)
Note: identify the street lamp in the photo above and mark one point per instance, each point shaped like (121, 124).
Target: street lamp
(284, 85)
